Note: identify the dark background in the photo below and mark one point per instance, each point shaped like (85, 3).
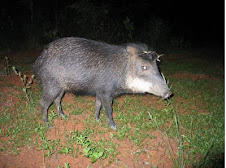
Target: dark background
(163, 24)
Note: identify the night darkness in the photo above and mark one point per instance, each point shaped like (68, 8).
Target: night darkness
(33, 23)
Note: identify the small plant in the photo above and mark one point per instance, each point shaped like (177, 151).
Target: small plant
(66, 165)
(48, 147)
(90, 150)
(65, 150)
(7, 67)
(27, 82)
(179, 161)
(76, 112)
(42, 143)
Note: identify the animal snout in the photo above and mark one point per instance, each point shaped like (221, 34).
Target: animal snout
(168, 95)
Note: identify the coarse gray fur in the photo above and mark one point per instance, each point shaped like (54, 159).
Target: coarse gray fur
(89, 67)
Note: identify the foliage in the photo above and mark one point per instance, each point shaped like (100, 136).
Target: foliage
(89, 148)
(83, 18)
(158, 32)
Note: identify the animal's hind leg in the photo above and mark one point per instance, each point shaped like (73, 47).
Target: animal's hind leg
(48, 96)
(106, 102)
(97, 108)
(57, 103)
(45, 102)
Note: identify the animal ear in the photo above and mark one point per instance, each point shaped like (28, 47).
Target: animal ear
(131, 50)
(153, 55)
(158, 56)
(149, 55)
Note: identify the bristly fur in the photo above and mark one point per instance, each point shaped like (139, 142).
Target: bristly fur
(143, 51)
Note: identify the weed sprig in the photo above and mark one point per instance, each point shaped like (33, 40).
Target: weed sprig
(26, 81)
(179, 161)
(90, 150)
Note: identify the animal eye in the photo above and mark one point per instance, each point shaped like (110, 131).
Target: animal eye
(144, 68)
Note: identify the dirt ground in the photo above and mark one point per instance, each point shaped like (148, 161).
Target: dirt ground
(129, 155)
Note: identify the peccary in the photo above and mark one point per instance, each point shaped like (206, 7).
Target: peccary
(102, 70)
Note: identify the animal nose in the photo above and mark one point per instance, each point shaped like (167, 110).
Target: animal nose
(168, 95)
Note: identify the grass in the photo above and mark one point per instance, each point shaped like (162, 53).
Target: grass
(179, 160)
(193, 118)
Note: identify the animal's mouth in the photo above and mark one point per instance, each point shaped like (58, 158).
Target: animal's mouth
(168, 95)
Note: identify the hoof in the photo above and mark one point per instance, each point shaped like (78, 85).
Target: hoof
(114, 127)
(97, 119)
(49, 125)
(63, 115)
